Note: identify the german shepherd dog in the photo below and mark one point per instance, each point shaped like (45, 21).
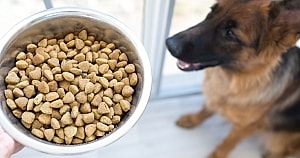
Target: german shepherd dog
(252, 71)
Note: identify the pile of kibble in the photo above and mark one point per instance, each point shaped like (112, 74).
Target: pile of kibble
(71, 90)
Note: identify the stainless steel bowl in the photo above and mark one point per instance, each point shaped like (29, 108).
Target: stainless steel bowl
(55, 23)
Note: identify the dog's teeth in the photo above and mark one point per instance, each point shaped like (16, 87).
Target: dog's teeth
(183, 65)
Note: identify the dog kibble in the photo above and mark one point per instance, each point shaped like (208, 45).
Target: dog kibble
(127, 91)
(88, 118)
(42, 43)
(36, 124)
(49, 134)
(12, 78)
(81, 97)
(102, 127)
(35, 74)
(68, 140)
(38, 59)
(79, 122)
(58, 140)
(60, 133)
(68, 76)
(125, 105)
(38, 99)
(31, 47)
(8, 94)
(108, 101)
(116, 119)
(64, 109)
(17, 92)
(90, 129)
(89, 139)
(43, 87)
(21, 64)
(55, 123)
(75, 111)
(83, 35)
(22, 84)
(11, 104)
(17, 113)
(56, 104)
(71, 90)
(51, 96)
(48, 74)
(105, 120)
(103, 108)
(89, 88)
(70, 131)
(21, 102)
(45, 108)
(30, 105)
(28, 117)
(80, 132)
(45, 119)
(66, 119)
(63, 47)
(38, 133)
(68, 98)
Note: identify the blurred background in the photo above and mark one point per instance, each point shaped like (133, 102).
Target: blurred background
(173, 93)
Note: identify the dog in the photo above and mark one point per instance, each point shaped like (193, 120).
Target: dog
(252, 72)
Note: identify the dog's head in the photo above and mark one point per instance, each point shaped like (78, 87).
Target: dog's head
(238, 33)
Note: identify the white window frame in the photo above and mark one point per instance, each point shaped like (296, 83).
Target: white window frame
(157, 22)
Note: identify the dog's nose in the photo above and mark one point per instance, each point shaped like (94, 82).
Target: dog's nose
(172, 46)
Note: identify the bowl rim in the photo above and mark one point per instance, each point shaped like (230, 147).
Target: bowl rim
(113, 136)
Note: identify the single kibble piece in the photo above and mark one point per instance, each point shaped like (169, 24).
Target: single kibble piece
(55, 123)
(68, 98)
(12, 78)
(45, 108)
(12, 105)
(56, 104)
(125, 105)
(127, 91)
(51, 96)
(68, 76)
(21, 64)
(70, 131)
(35, 74)
(21, 102)
(28, 117)
(66, 119)
(49, 134)
(90, 129)
(38, 133)
(103, 108)
(81, 97)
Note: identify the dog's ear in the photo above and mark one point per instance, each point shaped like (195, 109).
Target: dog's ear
(284, 22)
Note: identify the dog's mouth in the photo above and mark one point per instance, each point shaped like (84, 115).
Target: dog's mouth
(185, 66)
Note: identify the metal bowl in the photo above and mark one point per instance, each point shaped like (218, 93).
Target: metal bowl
(55, 23)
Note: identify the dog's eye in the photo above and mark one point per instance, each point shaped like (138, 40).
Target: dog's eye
(229, 26)
(230, 34)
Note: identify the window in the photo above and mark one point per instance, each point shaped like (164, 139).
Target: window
(163, 19)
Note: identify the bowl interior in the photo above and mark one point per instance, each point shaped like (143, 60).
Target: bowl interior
(56, 24)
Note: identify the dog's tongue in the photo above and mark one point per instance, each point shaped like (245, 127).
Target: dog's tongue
(187, 66)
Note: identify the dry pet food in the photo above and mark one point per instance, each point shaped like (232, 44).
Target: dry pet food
(71, 90)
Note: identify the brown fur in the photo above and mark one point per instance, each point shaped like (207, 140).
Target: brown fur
(256, 89)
